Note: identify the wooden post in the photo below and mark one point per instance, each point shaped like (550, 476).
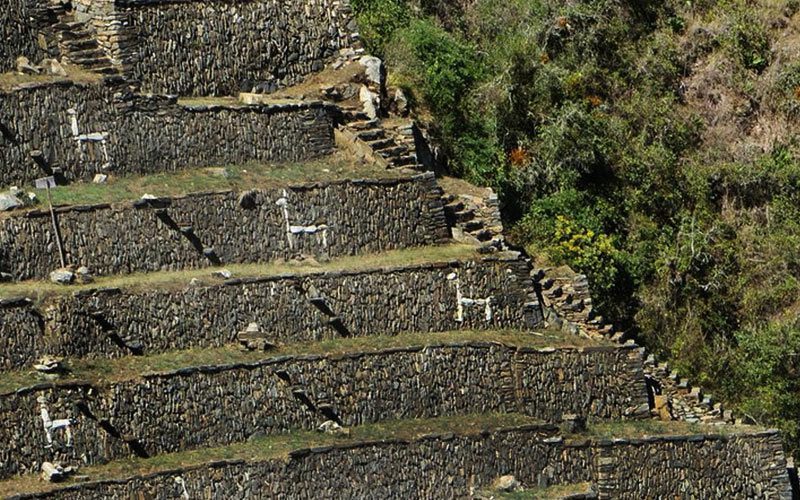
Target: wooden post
(56, 229)
(47, 183)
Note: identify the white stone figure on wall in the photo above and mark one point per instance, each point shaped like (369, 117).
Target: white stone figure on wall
(292, 230)
(89, 138)
(51, 426)
(465, 302)
(184, 494)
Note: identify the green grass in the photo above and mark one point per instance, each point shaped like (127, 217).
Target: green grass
(277, 448)
(40, 290)
(635, 429)
(228, 178)
(234, 101)
(103, 371)
(552, 492)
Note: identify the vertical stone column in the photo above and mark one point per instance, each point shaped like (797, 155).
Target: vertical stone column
(605, 465)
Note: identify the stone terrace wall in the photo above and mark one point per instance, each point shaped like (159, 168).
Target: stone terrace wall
(698, 466)
(581, 376)
(147, 134)
(386, 301)
(457, 464)
(21, 22)
(361, 388)
(363, 216)
(215, 47)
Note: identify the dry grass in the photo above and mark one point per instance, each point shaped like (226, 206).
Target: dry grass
(104, 371)
(277, 448)
(229, 178)
(10, 80)
(634, 429)
(459, 186)
(39, 290)
(553, 492)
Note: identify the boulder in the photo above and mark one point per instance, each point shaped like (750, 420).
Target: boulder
(25, 67)
(55, 472)
(62, 276)
(369, 101)
(100, 179)
(53, 67)
(84, 275)
(506, 484)
(9, 202)
(331, 427)
(373, 69)
(49, 364)
(223, 274)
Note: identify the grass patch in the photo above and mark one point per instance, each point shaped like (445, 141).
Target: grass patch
(552, 492)
(228, 178)
(635, 429)
(209, 101)
(103, 371)
(276, 447)
(40, 290)
(12, 79)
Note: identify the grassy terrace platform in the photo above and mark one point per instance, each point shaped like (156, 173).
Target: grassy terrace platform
(278, 447)
(102, 371)
(39, 290)
(553, 492)
(222, 178)
(11, 79)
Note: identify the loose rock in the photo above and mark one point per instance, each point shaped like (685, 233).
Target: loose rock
(9, 202)
(62, 276)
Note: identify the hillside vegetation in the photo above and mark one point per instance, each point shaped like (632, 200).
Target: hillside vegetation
(650, 144)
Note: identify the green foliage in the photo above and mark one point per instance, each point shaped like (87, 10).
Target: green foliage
(378, 20)
(763, 376)
(590, 252)
(749, 41)
(610, 156)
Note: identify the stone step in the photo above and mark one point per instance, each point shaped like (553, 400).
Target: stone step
(454, 206)
(381, 144)
(79, 44)
(369, 135)
(363, 125)
(75, 34)
(87, 54)
(464, 216)
(392, 152)
(406, 160)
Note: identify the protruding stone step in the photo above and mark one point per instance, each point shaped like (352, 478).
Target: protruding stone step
(371, 134)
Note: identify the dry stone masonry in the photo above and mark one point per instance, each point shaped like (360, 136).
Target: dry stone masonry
(133, 87)
(745, 466)
(82, 130)
(217, 47)
(168, 412)
(329, 219)
(289, 308)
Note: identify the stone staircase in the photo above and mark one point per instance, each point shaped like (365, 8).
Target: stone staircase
(476, 217)
(78, 46)
(349, 349)
(568, 306)
(385, 146)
